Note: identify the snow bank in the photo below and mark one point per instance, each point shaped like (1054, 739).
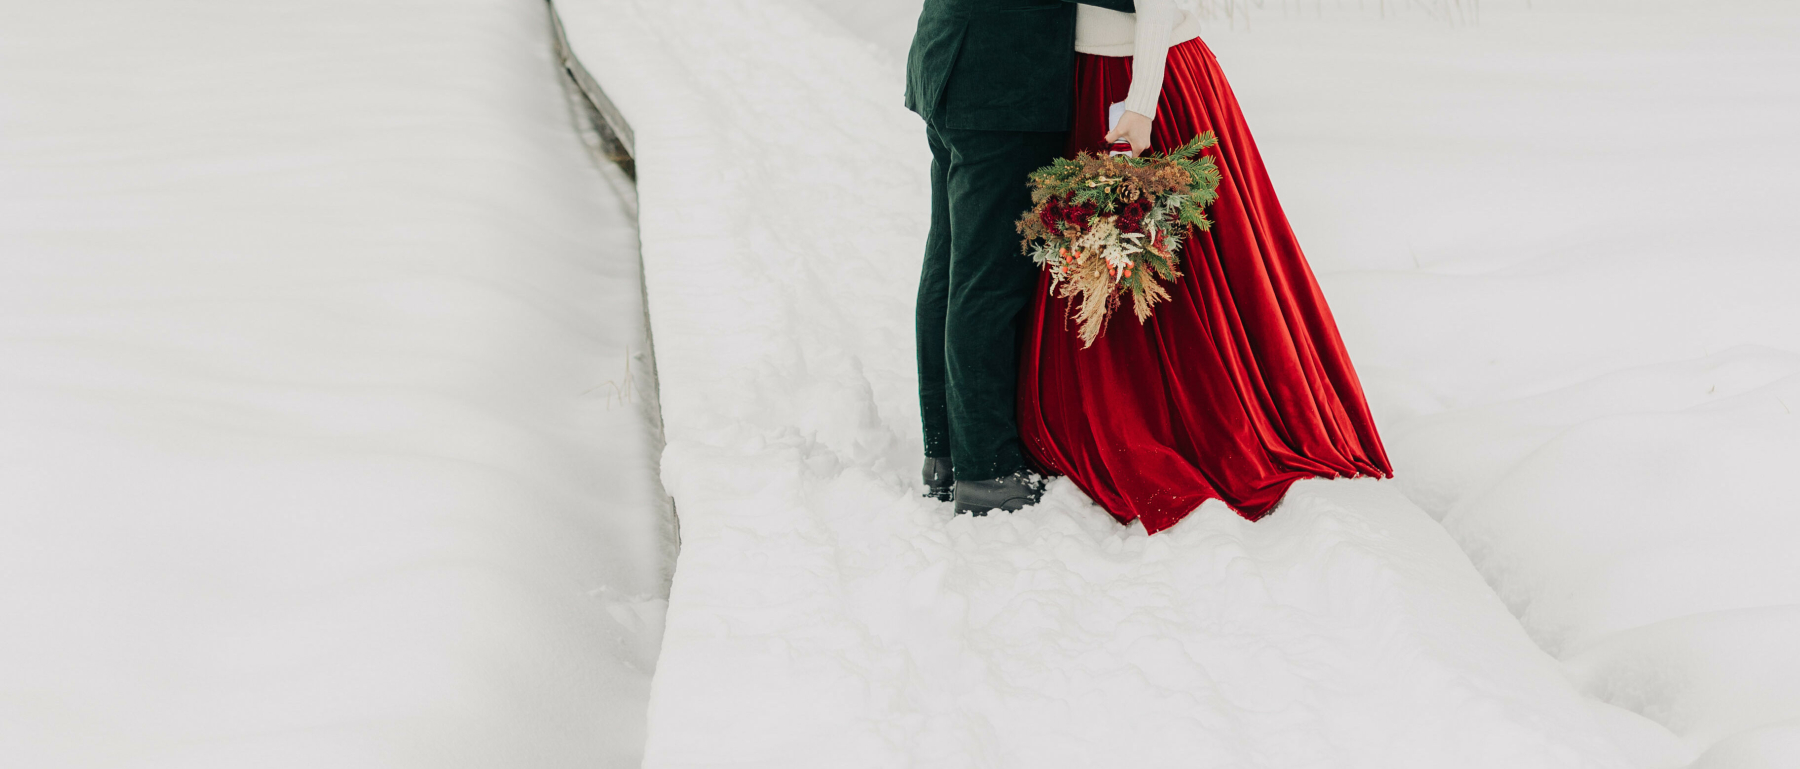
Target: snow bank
(1556, 241)
(824, 615)
(314, 330)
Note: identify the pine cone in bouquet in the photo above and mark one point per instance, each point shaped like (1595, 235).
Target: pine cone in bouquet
(1107, 226)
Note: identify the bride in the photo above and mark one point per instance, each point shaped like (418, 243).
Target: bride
(1238, 385)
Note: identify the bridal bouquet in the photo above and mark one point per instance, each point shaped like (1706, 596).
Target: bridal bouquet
(1108, 226)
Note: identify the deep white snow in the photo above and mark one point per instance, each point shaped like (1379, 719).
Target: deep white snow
(1531, 220)
(1559, 243)
(320, 444)
(317, 442)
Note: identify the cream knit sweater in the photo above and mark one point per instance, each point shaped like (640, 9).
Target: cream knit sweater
(1145, 36)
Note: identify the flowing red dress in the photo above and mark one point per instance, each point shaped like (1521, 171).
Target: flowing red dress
(1238, 385)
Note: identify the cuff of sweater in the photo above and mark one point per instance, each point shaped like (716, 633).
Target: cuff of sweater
(1143, 103)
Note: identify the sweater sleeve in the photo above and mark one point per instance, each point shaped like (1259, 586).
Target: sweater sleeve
(1155, 25)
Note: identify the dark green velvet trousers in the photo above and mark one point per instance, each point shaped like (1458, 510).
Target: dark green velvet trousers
(973, 293)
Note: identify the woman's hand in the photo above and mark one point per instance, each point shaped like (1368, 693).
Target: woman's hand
(1134, 128)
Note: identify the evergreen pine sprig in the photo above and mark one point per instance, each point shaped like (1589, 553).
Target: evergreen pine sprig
(1107, 225)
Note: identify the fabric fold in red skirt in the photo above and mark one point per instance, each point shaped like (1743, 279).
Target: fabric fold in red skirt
(1239, 384)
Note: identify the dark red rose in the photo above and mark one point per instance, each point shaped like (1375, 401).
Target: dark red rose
(1131, 215)
(1056, 211)
(1079, 215)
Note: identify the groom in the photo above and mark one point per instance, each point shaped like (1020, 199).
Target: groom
(993, 80)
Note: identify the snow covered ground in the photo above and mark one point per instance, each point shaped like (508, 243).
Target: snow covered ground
(318, 442)
(321, 447)
(1566, 273)
(1552, 233)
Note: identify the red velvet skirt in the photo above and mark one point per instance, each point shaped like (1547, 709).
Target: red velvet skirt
(1238, 385)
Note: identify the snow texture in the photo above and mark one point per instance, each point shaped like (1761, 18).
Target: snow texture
(1547, 233)
(317, 446)
(1589, 372)
(321, 447)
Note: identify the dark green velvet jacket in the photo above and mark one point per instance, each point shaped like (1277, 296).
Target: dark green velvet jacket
(995, 65)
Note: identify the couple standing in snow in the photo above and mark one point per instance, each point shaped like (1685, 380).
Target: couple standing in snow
(1234, 389)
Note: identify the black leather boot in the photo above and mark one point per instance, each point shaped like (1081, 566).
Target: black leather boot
(940, 481)
(1010, 493)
